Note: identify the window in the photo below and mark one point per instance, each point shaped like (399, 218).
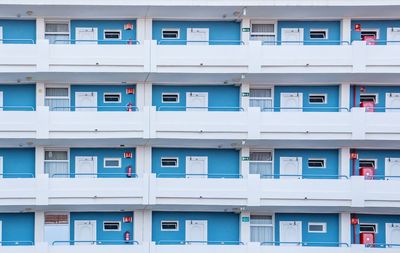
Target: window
(364, 227)
(263, 31)
(261, 162)
(317, 227)
(57, 99)
(320, 34)
(112, 34)
(317, 163)
(57, 32)
(369, 98)
(55, 219)
(112, 97)
(367, 163)
(170, 97)
(170, 33)
(317, 99)
(111, 226)
(56, 163)
(261, 228)
(112, 163)
(169, 162)
(369, 34)
(261, 98)
(169, 226)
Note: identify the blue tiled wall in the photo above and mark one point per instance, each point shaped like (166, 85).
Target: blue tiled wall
(226, 96)
(221, 162)
(102, 153)
(18, 31)
(382, 25)
(379, 155)
(380, 90)
(17, 95)
(17, 227)
(18, 162)
(221, 226)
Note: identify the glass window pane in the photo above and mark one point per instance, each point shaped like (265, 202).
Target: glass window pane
(260, 93)
(260, 156)
(57, 104)
(52, 27)
(53, 168)
(261, 234)
(262, 28)
(56, 155)
(56, 92)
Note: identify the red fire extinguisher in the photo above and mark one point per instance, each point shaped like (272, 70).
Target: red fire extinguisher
(127, 236)
(129, 171)
(129, 107)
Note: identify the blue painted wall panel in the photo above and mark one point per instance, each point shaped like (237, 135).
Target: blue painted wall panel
(325, 239)
(102, 25)
(100, 217)
(221, 226)
(221, 162)
(331, 156)
(101, 90)
(102, 153)
(332, 92)
(379, 155)
(381, 25)
(380, 90)
(222, 31)
(18, 95)
(381, 220)
(226, 96)
(17, 227)
(18, 160)
(18, 31)
(333, 28)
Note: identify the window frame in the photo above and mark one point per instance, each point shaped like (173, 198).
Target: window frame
(52, 21)
(264, 225)
(371, 94)
(313, 167)
(178, 30)
(177, 162)
(169, 230)
(368, 224)
(375, 160)
(375, 30)
(112, 93)
(325, 95)
(112, 159)
(58, 161)
(263, 151)
(324, 227)
(54, 86)
(112, 230)
(326, 30)
(170, 93)
(112, 30)
(259, 98)
(263, 22)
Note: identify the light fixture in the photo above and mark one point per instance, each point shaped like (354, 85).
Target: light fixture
(244, 11)
(29, 13)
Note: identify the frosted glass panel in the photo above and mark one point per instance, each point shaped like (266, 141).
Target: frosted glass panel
(54, 103)
(52, 168)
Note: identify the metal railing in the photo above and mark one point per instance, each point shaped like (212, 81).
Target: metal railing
(17, 108)
(306, 42)
(93, 175)
(208, 108)
(97, 242)
(17, 41)
(179, 242)
(184, 175)
(373, 42)
(16, 243)
(97, 42)
(17, 175)
(381, 177)
(302, 176)
(382, 245)
(200, 42)
(123, 107)
(307, 109)
(322, 244)
(379, 108)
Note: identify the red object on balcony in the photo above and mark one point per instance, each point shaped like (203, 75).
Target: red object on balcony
(367, 238)
(370, 39)
(367, 172)
(354, 221)
(128, 155)
(357, 27)
(130, 91)
(127, 219)
(369, 106)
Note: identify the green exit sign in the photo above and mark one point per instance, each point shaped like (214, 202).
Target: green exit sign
(246, 29)
(245, 94)
(245, 219)
(245, 158)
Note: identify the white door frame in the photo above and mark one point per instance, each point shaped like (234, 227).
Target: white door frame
(94, 235)
(1, 35)
(388, 230)
(299, 168)
(300, 235)
(190, 95)
(389, 160)
(389, 96)
(95, 169)
(285, 95)
(189, 223)
(389, 32)
(206, 31)
(188, 161)
(86, 93)
(94, 30)
(300, 31)
(1, 167)
(1, 100)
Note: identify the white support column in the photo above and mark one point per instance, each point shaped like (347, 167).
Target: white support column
(40, 28)
(39, 227)
(39, 161)
(245, 30)
(346, 29)
(140, 95)
(344, 95)
(344, 227)
(144, 29)
(245, 227)
(244, 162)
(142, 226)
(344, 165)
(148, 94)
(143, 160)
(244, 96)
(40, 94)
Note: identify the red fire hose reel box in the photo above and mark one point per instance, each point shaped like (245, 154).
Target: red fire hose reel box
(370, 39)
(367, 172)
(369, 105)
(367, 238)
